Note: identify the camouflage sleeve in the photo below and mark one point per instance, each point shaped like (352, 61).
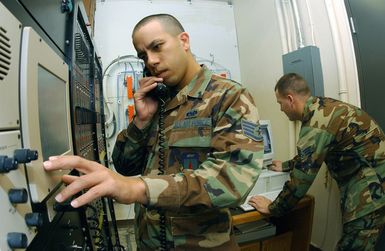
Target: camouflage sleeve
(228, 174)
(129, 151)
(287, 166)
(312, 148)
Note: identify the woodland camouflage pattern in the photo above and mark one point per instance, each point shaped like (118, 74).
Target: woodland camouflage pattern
(353, 147)
(362, 234)
(210, 164)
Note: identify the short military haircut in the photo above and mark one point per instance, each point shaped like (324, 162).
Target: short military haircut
(169, 23)
(293, 83)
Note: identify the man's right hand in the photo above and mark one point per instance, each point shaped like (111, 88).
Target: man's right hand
(145, 106)
(276, 166)
(96, 181)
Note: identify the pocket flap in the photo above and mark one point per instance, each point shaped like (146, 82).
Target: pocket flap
(200, 224)
(191, 133)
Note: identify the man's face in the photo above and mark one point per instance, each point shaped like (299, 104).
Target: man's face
(165, 55)
(287, 105)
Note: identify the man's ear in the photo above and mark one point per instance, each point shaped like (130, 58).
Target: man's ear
(291, 98)
(184, 39)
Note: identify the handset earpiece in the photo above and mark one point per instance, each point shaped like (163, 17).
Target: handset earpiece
(160, 91)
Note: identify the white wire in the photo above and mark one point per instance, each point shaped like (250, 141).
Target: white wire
(297, 23)
(311, 22)
(214, 66)
(105, 73)
(287, 25)
(281, 24)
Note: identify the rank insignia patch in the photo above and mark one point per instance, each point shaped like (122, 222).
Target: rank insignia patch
(251, 130)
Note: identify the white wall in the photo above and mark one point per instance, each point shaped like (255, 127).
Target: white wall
(260, 54)
(210, 25)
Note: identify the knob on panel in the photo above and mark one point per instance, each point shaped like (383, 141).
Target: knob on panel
(34, 219)
(17, 195)
(25, 155)
(17, 240)
(7, 164)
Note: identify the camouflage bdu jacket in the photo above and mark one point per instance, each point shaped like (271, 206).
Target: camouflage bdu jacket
(213, 156)
(351, 144)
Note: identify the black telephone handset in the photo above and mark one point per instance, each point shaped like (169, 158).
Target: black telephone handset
(160, 91)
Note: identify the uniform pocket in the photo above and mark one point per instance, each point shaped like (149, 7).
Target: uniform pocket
(207, 223)
(205, 230)
(191, 133)
(190, 146)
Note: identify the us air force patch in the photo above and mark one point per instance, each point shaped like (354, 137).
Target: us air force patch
(251, 130)
(190, 160)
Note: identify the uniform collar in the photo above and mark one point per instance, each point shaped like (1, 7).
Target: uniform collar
(309, 108)
(194, 89)
(198, 84)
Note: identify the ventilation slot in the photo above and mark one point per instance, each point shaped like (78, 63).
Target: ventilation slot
(5, 53)
(81, 50)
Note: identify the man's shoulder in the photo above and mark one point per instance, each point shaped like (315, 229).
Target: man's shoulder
(321, 112)
(330, 108)
(331, 103)
(328, 113)
(221, 84)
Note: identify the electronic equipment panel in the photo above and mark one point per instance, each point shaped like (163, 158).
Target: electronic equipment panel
(83, 91)
(52, 17)
(49, 107)
(10, 33)
(17, 228)
(45, 110)
(265, 129)
(99, 110)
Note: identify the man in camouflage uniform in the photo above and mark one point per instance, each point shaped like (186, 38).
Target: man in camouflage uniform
(213, 152)
(351, 144)
(211, 160)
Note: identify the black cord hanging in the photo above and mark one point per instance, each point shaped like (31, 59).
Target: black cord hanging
(161, 138)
